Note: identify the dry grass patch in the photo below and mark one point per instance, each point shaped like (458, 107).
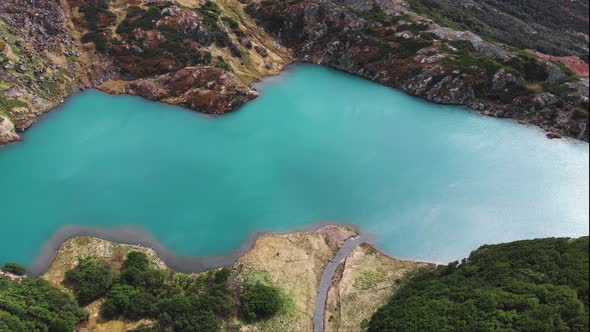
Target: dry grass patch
(293, 263)
(361, 285)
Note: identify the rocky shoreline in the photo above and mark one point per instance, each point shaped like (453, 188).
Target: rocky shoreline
(391, 45)
(299, 263)
(139, 237)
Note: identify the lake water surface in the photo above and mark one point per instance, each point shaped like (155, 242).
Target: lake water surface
(431, 182)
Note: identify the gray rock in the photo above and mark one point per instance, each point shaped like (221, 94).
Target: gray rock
(554, 72)
(543, 100)
(493, 50)
(503, 81)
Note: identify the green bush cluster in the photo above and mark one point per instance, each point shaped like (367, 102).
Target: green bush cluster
(35, 305)
(138, 18)
(211, 12)
(98, 30)
(222, 64)
(14, 268)
(177, 302)
(92, 11)
(178, 45)
(534, 285)
(90, 280)
(259, 302)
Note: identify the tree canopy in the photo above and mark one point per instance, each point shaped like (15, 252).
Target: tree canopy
(14, 268)
(259, 302)
(177, 302)
(90, 280)
(35, 305)
(533, 285)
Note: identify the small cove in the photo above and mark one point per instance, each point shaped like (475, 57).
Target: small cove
(431, 182)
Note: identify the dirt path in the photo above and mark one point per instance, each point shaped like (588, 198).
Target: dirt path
(345, 250)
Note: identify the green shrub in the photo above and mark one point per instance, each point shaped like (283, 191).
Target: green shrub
(118, 301)
(138, 18)
(556, 88)
(259, 302)
(185, 303)
(90, 280)
(224, 65)
(92, 11)
(222, 275)
(143, 305)
(580, 113)
(230, 22)
(138, 260)
(98, 38)
(14, 268)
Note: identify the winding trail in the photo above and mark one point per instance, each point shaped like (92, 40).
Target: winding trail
(343, 252)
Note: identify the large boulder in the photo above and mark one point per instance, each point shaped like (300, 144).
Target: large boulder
(505, 81)
(7, 131)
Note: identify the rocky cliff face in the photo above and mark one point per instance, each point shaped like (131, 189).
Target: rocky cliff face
(204, 55)
(385, 41)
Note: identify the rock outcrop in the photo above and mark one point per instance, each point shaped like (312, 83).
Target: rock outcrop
(205, 89)
(390, 44)
(203, 57)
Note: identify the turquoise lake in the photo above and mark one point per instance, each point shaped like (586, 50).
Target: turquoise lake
(431, 182)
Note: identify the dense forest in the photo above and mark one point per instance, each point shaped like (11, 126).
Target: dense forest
(554, 27)
(533, 285)
(35, 305)
(174, 301)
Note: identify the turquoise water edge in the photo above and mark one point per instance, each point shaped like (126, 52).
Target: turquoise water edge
(431, 182)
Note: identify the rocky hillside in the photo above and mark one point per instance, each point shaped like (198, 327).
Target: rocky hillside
(553, 27)
(385, 41)
(205, 55)
(199, 54)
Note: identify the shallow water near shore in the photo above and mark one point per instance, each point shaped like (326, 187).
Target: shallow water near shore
(431, 182)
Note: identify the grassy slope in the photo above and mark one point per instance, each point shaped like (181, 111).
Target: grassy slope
(365, 282)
